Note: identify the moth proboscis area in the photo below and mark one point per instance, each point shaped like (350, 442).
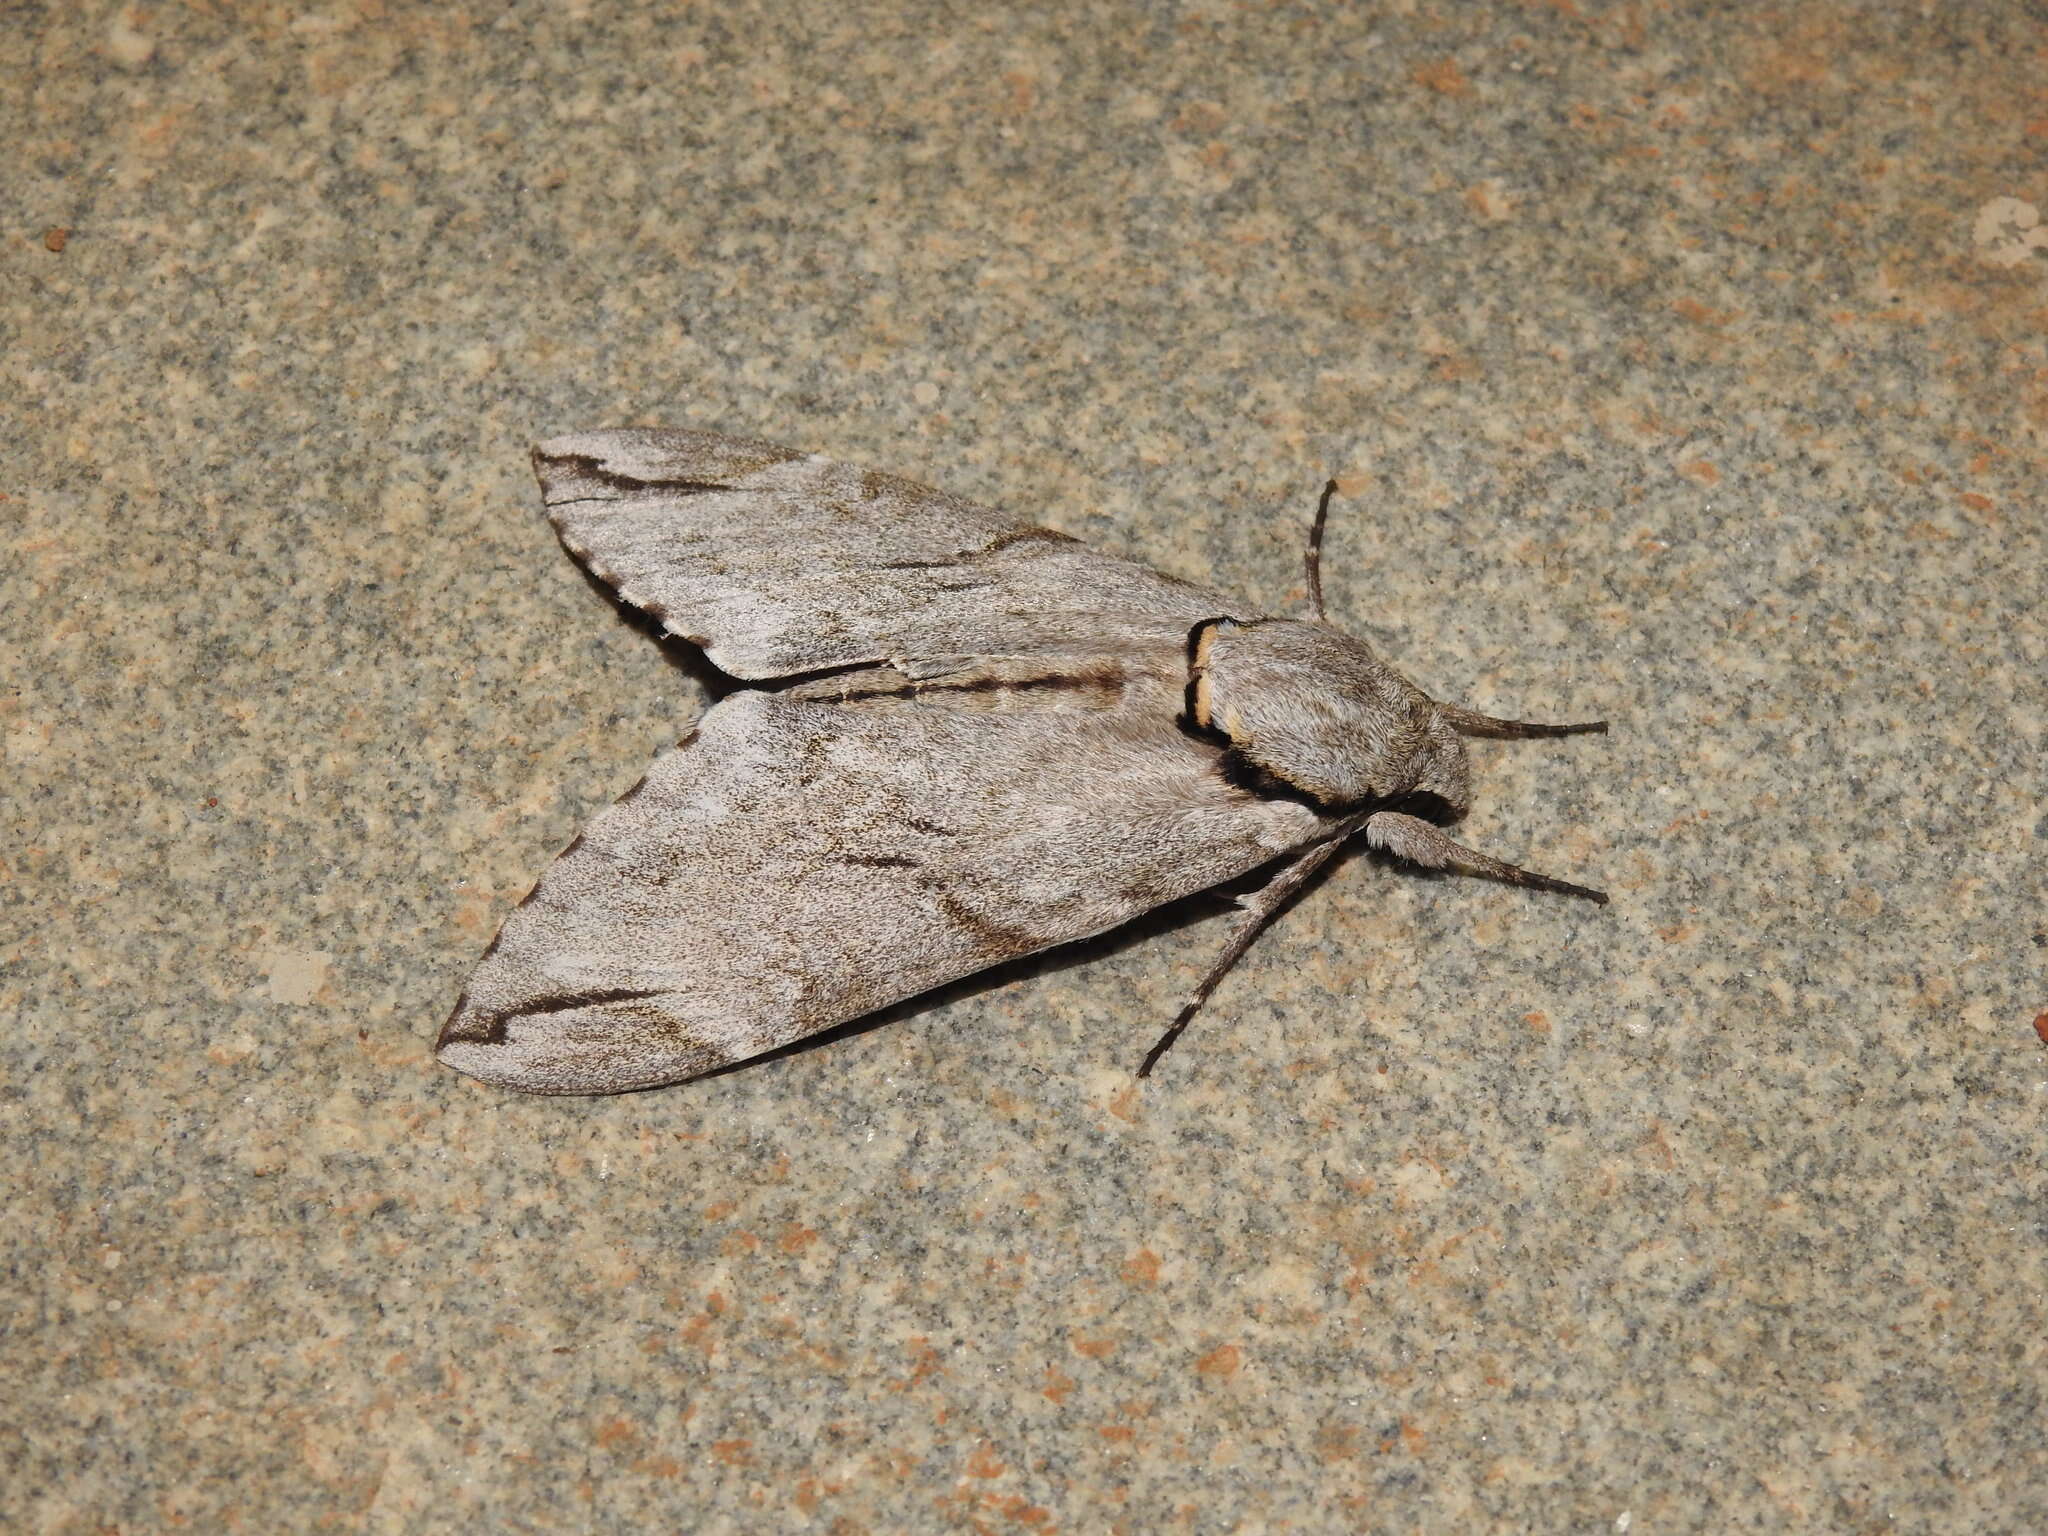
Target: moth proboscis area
(962, 739)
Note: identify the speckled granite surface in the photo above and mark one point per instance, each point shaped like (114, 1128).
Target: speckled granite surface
(1689, 365)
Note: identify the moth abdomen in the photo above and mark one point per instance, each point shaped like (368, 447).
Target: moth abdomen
(1006, 685)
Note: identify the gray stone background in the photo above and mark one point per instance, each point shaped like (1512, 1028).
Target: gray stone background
(1686, 365)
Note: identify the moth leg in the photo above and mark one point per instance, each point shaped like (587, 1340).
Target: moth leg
(1313, 557)
(1255, 912)
(1425, 843)
(1469, 722)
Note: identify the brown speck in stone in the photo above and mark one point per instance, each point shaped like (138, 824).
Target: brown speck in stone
(2041, 1025)
(1444, 77)
(1336, 1442)
(56, 237)
(1142, 1269)
(1223, 1360)
(613, 1433)
(1698, 313)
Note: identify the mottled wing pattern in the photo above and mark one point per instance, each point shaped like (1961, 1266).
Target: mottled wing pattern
(777, 563)
(797, 863)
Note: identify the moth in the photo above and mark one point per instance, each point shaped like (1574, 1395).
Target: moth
(962, 739)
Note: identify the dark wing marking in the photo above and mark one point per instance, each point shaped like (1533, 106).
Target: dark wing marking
(777, 563)
(797, 864)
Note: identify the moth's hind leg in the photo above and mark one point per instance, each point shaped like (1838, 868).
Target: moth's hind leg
(1255, 911)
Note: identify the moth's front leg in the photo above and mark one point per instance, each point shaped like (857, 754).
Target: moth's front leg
(1425, 844)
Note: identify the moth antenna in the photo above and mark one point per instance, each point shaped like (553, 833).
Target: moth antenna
(1424, 843)
(1469, 722)
(1313, 559)
(1258, 910)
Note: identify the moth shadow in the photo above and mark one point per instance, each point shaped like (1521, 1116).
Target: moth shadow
(1143, 929)
(679, 653)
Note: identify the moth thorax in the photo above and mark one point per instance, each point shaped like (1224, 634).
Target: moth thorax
(1318, 715)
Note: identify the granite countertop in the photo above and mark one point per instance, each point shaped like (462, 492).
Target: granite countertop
(1686, 365)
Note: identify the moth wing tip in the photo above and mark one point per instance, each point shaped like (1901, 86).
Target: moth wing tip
(558, 464)
(570, 1050)
(475, 1053)
(466, 1039)
(565, 461)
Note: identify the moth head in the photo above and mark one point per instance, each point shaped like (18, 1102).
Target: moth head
(1309, 711)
